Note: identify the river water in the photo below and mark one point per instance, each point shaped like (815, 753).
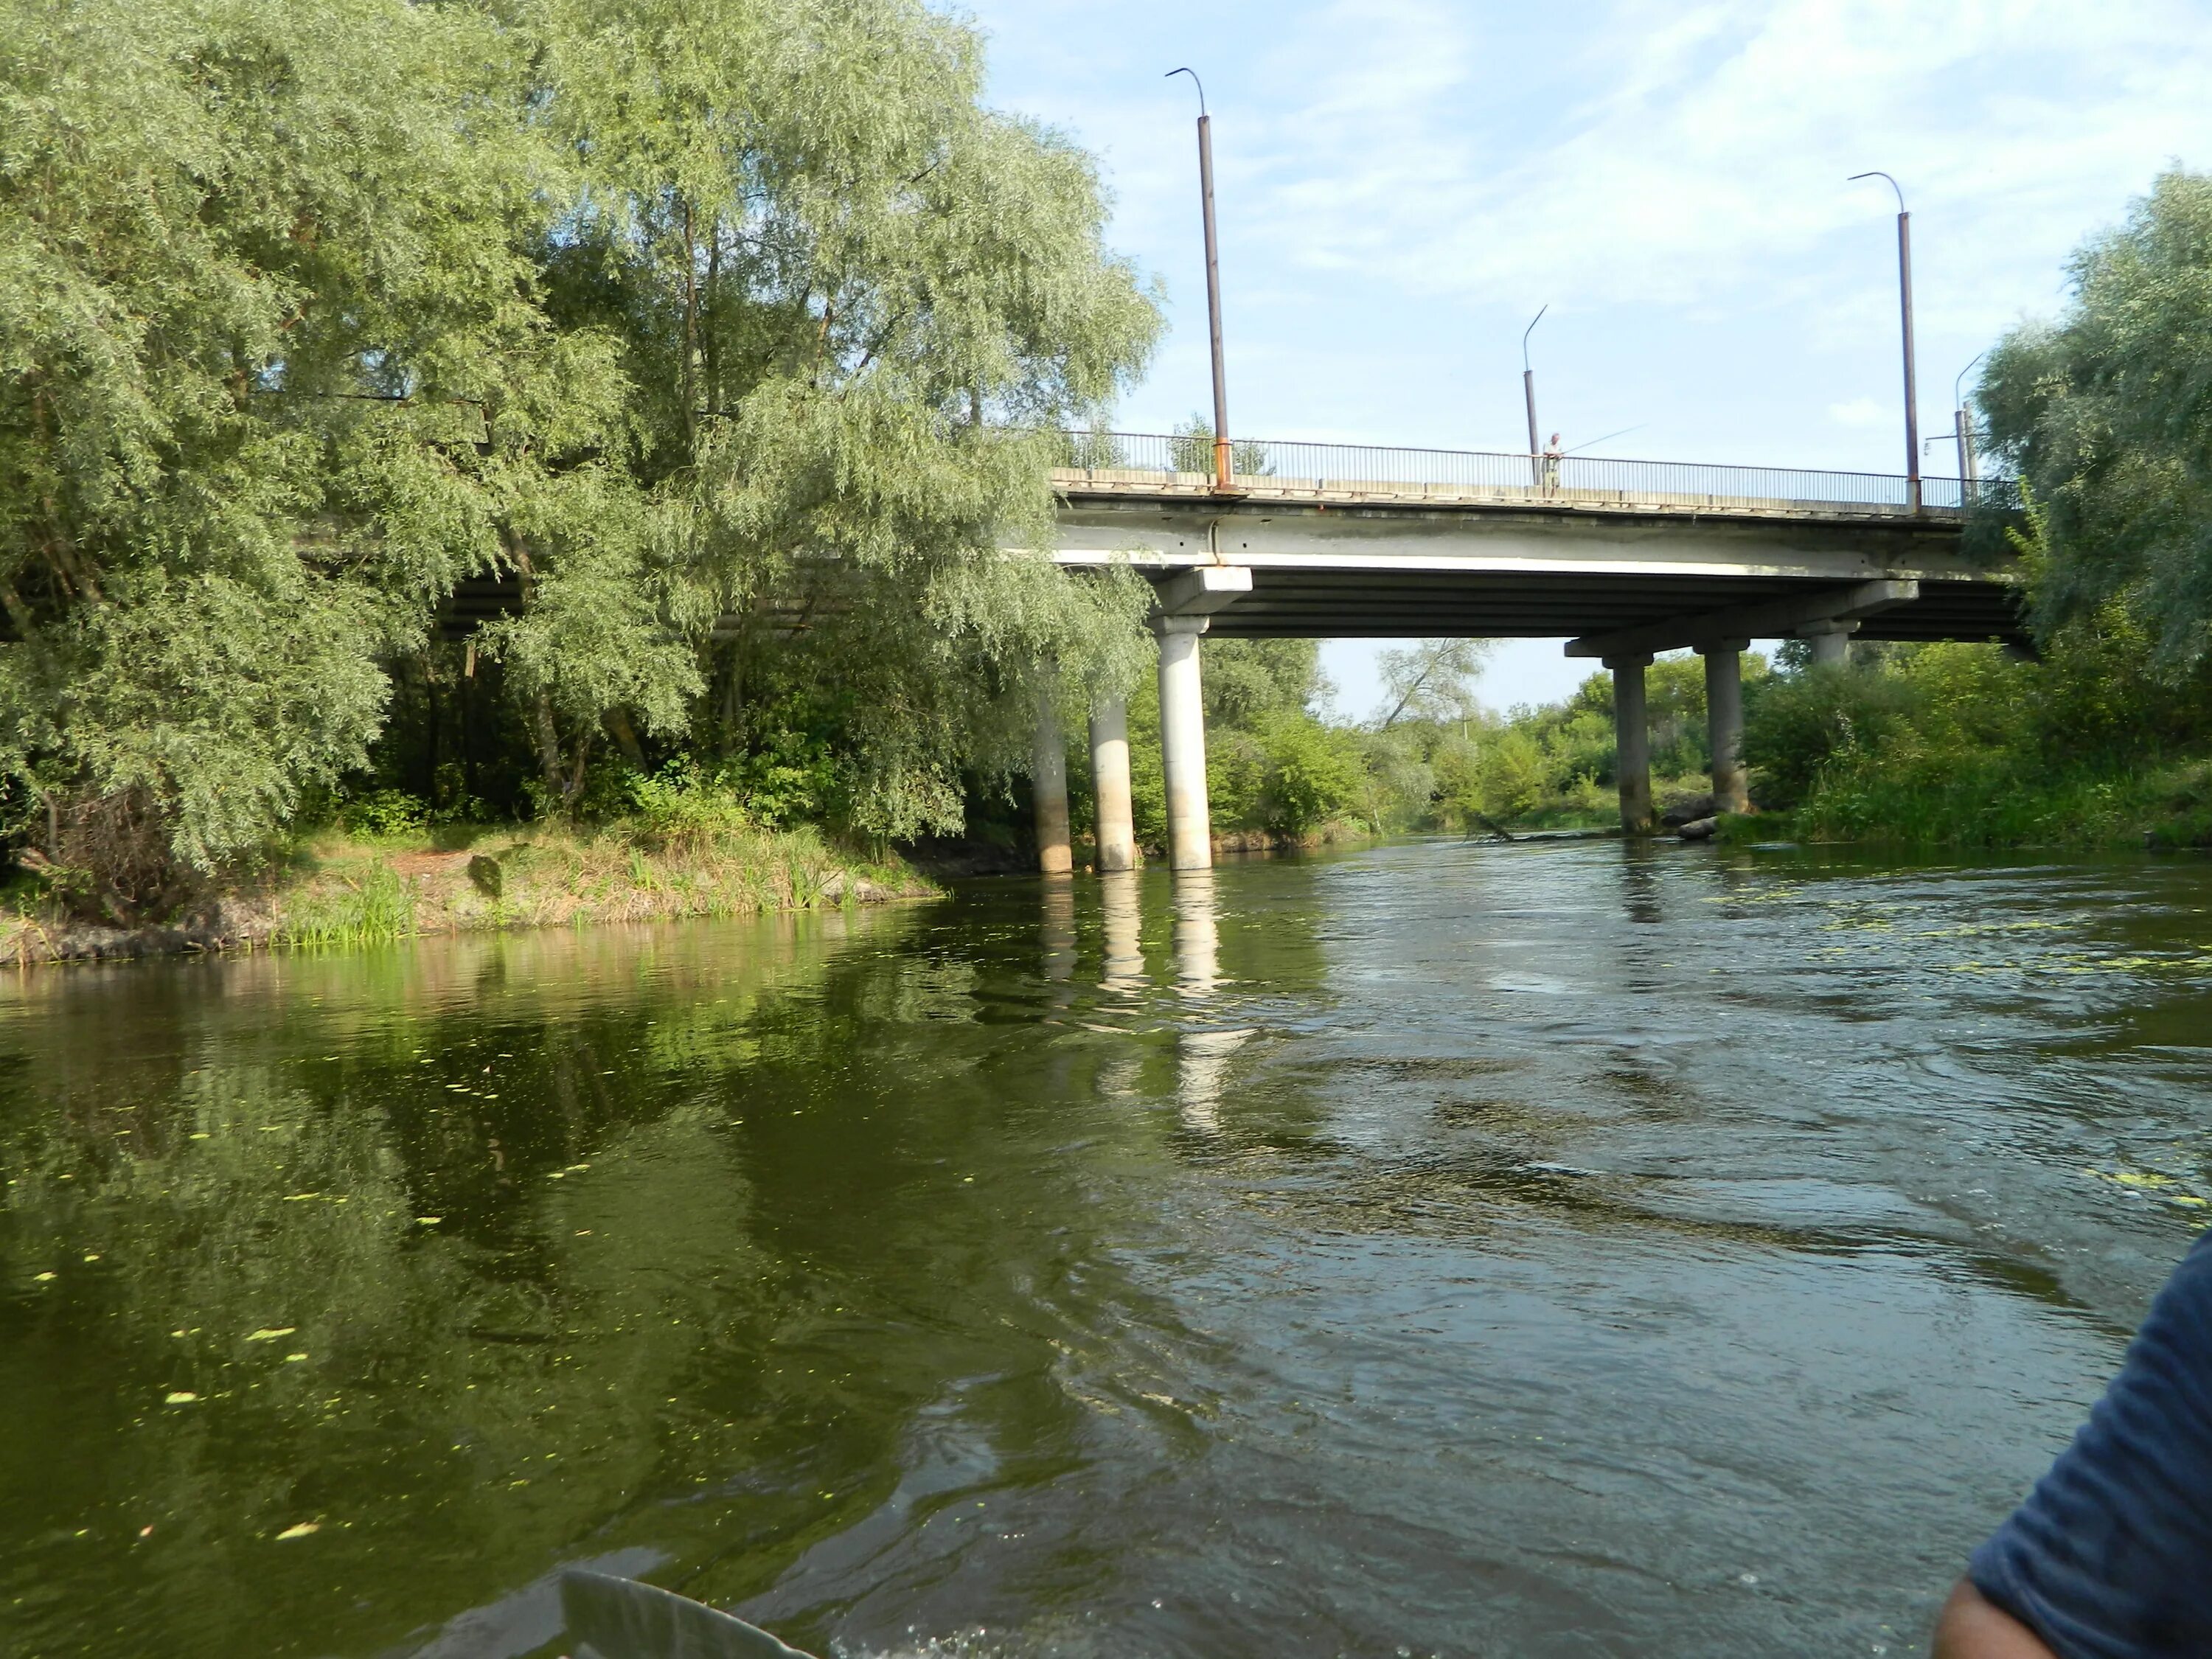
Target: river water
(1436, 1250)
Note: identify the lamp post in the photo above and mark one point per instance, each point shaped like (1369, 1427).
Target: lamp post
(1221, 456)
(1969, 469)
(1528, 394)
(1904, 304)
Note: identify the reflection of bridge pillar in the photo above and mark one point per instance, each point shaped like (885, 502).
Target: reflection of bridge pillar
(1197, 935)
(1109, 777)
(1631, 738)
(1831, 642)
(1058, 931)
(1123, 918)
(1724, 721)
(1049, 786)
(1182, 743)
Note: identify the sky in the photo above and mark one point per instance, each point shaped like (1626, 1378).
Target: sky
(1401, 184)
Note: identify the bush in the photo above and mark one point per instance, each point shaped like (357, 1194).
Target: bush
(385, 815)
(1797, 724)
(680, 807)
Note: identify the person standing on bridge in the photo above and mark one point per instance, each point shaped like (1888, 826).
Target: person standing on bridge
(1553, 456)
(2110, 1555)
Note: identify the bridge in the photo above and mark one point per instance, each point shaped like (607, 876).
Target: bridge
(1629, 558)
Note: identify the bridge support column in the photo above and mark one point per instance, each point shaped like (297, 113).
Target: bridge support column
(1831, 642)
(1724, 721)
(1110, 778)
(1182, 743)
(1048, 786)
(1632, 737)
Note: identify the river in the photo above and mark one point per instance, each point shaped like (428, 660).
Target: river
(1433, 1249)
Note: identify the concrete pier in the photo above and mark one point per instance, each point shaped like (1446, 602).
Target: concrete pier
(1110, 778)
(1049, 786)
(1631, 733)
(1182, 743)
(1831, 642)
(1724, 721)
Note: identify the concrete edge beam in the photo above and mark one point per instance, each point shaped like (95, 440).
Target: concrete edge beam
(1767, 619)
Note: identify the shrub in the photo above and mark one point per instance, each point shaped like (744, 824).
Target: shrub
(384, 815)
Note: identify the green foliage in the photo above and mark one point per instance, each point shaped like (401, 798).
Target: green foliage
(1799, 724)
(2107, 416)
(701, 328)
(374, 909)
(676, 807)
(268, 370)
(1288, 775)
(1960, 744)
(1433, 681)
(385, 814)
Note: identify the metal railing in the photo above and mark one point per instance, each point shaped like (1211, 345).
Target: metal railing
(1274, 467)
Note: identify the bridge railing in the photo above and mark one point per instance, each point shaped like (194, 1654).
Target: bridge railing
(1277, 467)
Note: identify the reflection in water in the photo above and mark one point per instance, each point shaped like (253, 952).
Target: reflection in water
(1122, 919)
(1588, 1269)
(1197, 934)
(1058, 894)
(1202, 1067)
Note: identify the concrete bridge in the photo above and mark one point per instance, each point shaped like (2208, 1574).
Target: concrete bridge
(1630, 559)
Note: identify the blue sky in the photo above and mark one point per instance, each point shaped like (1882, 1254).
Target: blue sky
(1402, 182)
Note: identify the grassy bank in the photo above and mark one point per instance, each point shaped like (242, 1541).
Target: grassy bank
(1999, 806)
(336, 888)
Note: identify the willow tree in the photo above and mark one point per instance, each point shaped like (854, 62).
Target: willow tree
(851, 299)
(273, 377)
(2107, 415)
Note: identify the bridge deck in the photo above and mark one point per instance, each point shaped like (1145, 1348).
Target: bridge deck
(1351, 540)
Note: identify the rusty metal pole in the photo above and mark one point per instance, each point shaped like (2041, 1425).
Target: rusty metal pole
(1224, 465)
(1904, 307)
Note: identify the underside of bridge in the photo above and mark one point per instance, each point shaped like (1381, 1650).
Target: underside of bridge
(1400, 571)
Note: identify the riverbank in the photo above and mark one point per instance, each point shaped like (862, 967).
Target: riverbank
(333, 889)
(1999, 806)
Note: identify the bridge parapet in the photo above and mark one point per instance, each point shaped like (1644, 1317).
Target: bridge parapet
(1167, 465)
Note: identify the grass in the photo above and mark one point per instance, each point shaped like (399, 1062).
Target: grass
(2003, 804)
(337, 890)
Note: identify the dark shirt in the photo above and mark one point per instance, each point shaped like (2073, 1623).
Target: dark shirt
(2111, 1556)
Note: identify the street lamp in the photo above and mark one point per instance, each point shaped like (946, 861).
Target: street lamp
(1969, 468)
(1528, 392)
(1221, 456)
(1905, 302)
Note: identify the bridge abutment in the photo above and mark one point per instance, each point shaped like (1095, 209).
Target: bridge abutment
(1632, 737)
(1109, 777)
(1048, 788)
(1724, 722)
(1182, 743)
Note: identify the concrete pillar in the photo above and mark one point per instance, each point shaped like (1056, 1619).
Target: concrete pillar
(1182, 743)
(1049, 786)
(1110, 778)
(1632, 737)
(1724, 722)
(1831, 642)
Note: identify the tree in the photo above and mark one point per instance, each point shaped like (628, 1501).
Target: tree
(849, 300)
(271, 376)
(1434, 681)
(2107, 415)
(719, 333)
